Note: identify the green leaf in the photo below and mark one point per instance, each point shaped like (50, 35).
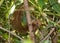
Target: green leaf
(27, 41)
(45, 0)
(58, 14)
(33, 1)
(17, 41)
(41, 3)
(1, 33)
(58, 41)
(8, 11)
(5, 36)
(1, 1)
(52, 2)
(56, 7)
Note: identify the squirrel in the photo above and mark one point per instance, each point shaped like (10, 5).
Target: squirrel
(16, 23)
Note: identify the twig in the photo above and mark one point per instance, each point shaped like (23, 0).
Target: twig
(11, 33)
(48, 35)
(42, 36)
(32, 35)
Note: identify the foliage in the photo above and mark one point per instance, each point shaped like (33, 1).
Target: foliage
(46, 11)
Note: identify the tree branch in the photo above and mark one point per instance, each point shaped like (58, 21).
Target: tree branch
(51, 31)
(32, 35)
(11, 33)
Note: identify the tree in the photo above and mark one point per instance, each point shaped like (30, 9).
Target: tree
(41, 18)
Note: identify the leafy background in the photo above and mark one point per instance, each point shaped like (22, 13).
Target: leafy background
(46, 11)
